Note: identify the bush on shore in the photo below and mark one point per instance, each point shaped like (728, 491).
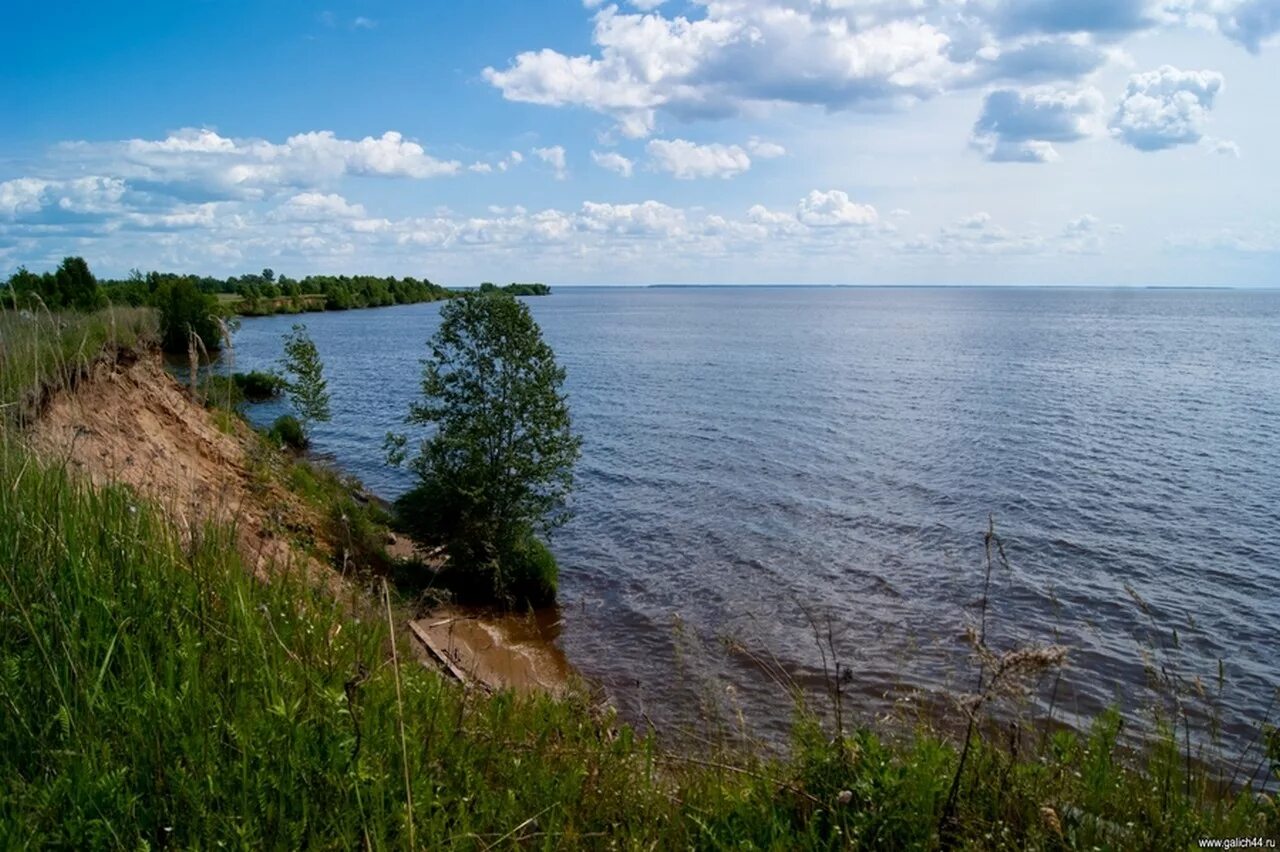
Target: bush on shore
(259, 386)
(287, 431)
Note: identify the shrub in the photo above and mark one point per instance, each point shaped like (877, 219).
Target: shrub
(287, 432)
(258, 386)
(528, 573)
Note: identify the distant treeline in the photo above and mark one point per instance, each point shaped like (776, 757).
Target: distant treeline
(518, 289)
(72, 286)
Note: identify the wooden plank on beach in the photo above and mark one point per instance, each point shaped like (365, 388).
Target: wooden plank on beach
(439, 654)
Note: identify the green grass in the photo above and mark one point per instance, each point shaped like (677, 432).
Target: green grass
(154, 693)
(49, 351)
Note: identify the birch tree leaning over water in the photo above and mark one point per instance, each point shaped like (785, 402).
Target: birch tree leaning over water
(305, 383)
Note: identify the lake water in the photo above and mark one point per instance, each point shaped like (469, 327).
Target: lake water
(758, 459)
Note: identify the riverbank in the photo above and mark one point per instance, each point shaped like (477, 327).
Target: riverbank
(163, 683)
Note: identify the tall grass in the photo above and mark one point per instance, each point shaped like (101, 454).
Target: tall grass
(154, 693)
(42, 352)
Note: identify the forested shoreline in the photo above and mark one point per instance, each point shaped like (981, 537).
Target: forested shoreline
(73, 286)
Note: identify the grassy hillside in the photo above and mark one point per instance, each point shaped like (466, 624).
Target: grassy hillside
(153, 693)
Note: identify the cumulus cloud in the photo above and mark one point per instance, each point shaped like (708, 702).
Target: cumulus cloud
(742, 53)
(1021, 126)
(688, 161)
(833, 208)
(649, 219)
(976, 234)
(553, 156)
(765, 150)
(1166, 107)
(613, 162)
(319, 206)
(1040, 60)
(53, 199)
(204, 160)
(323, 231)
(507, 163)
(734, 57)
(1251, 23)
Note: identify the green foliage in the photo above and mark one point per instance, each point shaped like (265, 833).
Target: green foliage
(516, 289)
(73, 287)
(305, 383)
(287, 431)
(259, 295)
(70, 287)
(184, 311)
(531, 568)
(77, 287)
(499, 464)
(259, 386)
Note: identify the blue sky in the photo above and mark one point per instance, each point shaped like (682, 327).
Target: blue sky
(716, 141)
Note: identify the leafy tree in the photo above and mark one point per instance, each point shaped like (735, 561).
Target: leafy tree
(499, 466)
(305, 382)
(76, 286)
(24, 285)
(185, 309)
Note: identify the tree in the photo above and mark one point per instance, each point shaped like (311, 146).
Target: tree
(184, 310)
(25, 286)
(76, 286)
(305, 383)
(499, 466)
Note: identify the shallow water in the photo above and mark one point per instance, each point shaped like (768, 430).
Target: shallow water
(758, 460)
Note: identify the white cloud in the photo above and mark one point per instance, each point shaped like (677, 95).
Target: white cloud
(649, 219)
(742, 53)
(507, 163)
(613, 162)
(730, 57)
(765, 150)
(85, 196)
(1251, 23)
(688, 161)
(204, 160)
(23, 195)
(975, 221)
(312, 206)
(1021, 126)
(1225, 147)
(1165, 107)
(554, 157)
(834, 209)
(976, 234)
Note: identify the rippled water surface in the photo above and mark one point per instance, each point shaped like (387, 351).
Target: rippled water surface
(756, 459)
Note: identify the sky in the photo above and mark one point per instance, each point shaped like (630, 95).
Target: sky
(1061, 142)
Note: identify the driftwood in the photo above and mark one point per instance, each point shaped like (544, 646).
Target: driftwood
(439, 653)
